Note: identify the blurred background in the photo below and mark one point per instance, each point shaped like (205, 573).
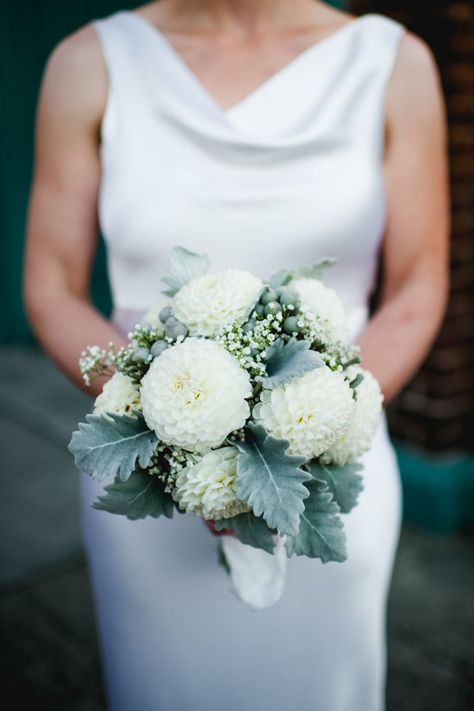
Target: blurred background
(50, 651)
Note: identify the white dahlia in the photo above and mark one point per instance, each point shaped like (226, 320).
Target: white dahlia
(120, 396)
(214, 300)
(311, 412)
(324, 303)
(359, 434)
(207, 488)
(195, 394)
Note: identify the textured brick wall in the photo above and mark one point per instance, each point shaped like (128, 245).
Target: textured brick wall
(436, 410)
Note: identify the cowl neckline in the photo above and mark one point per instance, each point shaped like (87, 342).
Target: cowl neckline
(292, 65)
(286, 110)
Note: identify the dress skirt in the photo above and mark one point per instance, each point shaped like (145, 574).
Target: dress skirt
(175, 638)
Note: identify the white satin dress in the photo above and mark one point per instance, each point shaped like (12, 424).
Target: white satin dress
(288, 175)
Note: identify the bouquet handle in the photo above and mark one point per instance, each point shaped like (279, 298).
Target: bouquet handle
(256, 577)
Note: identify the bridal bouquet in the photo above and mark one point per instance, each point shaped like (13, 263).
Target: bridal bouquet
(238, 401)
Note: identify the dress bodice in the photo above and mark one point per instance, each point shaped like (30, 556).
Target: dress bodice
(290, 174)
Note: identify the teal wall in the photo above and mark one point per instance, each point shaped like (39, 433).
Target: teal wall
(28, 32)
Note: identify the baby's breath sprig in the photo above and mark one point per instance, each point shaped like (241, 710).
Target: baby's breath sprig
(237, 436)
(167, 462)
(147, 342)
(145, 335)
(159, 466)
(96, 361)
(134, 362)
(240, 344)
(266, 330)
(336, 355)
(309, 328)
(129, 360)
(339, 356)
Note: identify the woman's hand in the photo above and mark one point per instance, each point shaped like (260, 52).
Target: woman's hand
(415, 250)
(62, 224)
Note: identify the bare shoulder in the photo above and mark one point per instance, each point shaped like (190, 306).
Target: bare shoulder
(414, 93)
(75, 79)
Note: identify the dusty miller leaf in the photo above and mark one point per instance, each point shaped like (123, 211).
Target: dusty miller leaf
(105, 447)
(281, 278)
(140, 496)
(314, 271)
(249, 529)
(345, 483)
(321, 533)
(285, 361)
(183, 266)
(270, 480)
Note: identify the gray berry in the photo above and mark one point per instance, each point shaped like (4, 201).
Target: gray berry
(174, 328)
(165, 313)
(260, 309)
(248, 326)
(290, 324)
(158, 347)
(272, 308)
(288, 297)
(140, 355)
(268, 296)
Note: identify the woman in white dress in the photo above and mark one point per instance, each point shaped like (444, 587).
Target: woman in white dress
(266, 135)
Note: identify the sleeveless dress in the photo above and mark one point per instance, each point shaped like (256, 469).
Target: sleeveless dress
(288, 175)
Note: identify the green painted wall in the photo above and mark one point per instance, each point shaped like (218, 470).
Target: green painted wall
(28, 32)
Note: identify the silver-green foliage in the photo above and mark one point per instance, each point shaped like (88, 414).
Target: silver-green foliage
(183, 266)
(344, 482)
(270, 480)
(321, 533)
(314, 271)
(285, 361)
(249, 529)
(113, 445)
(140, 496)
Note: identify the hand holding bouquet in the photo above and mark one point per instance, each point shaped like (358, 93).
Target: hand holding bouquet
(238, 401)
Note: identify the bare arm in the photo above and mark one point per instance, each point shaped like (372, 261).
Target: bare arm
(62, 221)
(415, 250)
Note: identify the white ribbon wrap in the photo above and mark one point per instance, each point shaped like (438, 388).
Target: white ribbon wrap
(256, 577)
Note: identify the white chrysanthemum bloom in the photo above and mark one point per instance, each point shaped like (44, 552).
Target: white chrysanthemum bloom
(207, 488)
(194, 395)
(311, 412)
(324, 303)
(360, 432)
(120, 396)
(211, 301)
(152, 317)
